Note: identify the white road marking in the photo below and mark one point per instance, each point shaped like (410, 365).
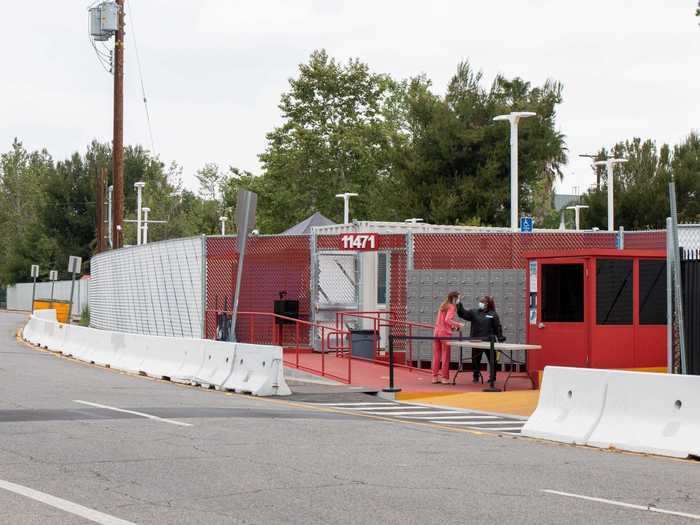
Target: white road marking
(148, 416)
(455, 417)
(622, 504)
(64, 505)
(505, 429)
(472, 423)
(353, 404)
(407, 413)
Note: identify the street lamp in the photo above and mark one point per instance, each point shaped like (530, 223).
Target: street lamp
(514, 117)
(577, 208)
(223, 220)
(346, 207)
(610, 164)
(139, 188)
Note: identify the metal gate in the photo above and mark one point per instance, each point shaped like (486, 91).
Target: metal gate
(335, 288)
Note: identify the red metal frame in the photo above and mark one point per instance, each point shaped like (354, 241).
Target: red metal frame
(378, 322)
(298, 349)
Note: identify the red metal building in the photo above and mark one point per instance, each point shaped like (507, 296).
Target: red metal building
(597, 308)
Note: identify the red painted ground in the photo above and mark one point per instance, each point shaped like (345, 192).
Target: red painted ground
(373, 375)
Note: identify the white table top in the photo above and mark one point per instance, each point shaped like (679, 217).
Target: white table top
(506, 347)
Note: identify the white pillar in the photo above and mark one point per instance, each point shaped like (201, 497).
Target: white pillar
(223, 224)
(609, 164)
(145, 225)
(139, 188)
(514, 117)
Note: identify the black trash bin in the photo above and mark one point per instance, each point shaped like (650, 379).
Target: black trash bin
(362, 343)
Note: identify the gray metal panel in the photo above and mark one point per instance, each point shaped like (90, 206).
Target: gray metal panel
(426, 290)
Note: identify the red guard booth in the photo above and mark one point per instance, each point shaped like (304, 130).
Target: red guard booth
(597, 309)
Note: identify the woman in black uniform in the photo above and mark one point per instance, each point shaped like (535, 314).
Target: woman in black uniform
(484, 321)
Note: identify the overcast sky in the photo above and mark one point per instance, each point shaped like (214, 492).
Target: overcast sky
(214, 69)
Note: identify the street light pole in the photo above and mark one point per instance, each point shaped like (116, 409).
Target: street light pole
(139, 189)
(346, 205)
(514, 117)
(110, 190)
(144, 237)
(577, 208)
(610, 164)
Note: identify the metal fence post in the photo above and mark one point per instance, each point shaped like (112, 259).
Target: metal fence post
(203, 308)
(669, 295)
(678, 299)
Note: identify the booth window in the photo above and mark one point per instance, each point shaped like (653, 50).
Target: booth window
(381, 278)
(562, 293)
(614, 291)
(652, 291)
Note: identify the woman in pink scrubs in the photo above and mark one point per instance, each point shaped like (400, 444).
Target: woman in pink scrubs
(445, 325)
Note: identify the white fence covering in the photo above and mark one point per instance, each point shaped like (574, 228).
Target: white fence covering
(19, 296)
(155, 289)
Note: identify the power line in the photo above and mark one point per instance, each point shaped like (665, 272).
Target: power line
(130, 14)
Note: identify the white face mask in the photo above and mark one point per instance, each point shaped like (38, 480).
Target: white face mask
(482, 306)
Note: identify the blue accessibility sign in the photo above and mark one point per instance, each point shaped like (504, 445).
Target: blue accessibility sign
(526, 224)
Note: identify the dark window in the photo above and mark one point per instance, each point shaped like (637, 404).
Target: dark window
(614, 291)
(562, 293)
(652, 292)
(381, 277)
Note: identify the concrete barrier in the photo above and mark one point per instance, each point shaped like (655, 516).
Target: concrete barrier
(570, 405)
(258, 370)
(46, 315)
(192, 361)
(650, 413)
(217, 363)
(164, 356)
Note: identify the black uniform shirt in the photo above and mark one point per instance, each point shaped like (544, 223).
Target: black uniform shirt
(479, 323)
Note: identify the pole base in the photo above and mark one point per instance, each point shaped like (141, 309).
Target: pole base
(391, 390)
(491, 388)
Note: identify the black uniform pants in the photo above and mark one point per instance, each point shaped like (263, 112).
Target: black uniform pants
(476, 362)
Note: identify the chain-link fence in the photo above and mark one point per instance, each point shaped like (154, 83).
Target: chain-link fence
(154, 289)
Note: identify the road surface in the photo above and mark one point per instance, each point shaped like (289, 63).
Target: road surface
(83, 444)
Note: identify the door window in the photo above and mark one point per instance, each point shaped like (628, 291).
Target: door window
(652, 291)
(614, 291)
(562, 293)
(382, 276)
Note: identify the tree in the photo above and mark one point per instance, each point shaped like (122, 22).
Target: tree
(453, 166)
(641, 187)
(333, 139)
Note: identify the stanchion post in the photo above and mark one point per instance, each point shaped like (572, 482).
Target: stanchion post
(392, 389)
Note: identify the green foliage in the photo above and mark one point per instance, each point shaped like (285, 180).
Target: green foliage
(85, 317)
(641, 185)
(407, 151)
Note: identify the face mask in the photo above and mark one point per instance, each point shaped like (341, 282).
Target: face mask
(482, 306)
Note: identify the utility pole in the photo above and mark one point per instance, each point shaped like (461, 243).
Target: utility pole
(100, 209)
(118, 134)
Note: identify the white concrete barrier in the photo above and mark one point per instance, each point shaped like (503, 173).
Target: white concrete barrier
(570, 405)
(46, 315)
(258, 370)
(164, 356)
(651, 413)
(192, 362)
(217, 363)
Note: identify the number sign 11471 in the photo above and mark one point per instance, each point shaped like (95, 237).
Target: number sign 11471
(359, 241)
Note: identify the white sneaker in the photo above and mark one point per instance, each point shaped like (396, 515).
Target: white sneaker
(445, 381)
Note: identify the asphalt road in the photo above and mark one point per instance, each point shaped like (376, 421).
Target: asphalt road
(186, 455)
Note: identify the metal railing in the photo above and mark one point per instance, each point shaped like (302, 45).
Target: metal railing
(267, 328)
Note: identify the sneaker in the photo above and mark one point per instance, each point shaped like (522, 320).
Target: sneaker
(445, 381)
(435, 380)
